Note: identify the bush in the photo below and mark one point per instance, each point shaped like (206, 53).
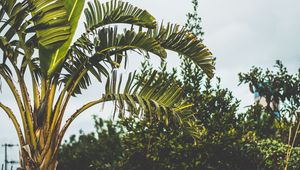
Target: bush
(271, 155)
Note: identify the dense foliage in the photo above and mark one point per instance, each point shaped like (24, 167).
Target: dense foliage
(100, 150)
(129, 145)
(270, 154)
(281, 94)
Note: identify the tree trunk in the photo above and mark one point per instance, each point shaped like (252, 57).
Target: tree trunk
(41, 158)
(44, 165)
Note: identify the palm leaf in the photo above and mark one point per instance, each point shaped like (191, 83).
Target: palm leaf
(171, 37)
(110, 42)
(180, 40)
(73, 69)
(50, 23)
(143, 96)
(150, 98)
(116, 11)
(55, 23)
(109, 48)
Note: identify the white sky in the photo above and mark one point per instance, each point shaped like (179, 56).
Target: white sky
(240, 33)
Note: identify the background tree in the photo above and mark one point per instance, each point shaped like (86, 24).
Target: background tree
(36, 41)
(279, 118)
(281, 92)
(101, 149)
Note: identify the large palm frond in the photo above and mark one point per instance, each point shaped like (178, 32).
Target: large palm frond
(116, 11)
(91, 55)
(150, 98)
(51, 24)
(55, 23)
(171, 37)
(110, 48)
(147, 97)
(148, 93)
(179, 39)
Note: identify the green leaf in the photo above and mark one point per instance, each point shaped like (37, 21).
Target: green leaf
(110, 41)
(110, 47)
(51, 58)
(115, 11)
(145, 98)
(180, 40)
(50, 16)
(147, 95)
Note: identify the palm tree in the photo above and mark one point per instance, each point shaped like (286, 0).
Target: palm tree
(37, 41)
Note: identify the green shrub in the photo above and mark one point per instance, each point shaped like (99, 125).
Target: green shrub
(271, 154)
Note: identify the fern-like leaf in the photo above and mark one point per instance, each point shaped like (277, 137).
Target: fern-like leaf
(116, 11)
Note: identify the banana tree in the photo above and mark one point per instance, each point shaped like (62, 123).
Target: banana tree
(36, 41)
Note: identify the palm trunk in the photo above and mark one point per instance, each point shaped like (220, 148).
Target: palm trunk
(38, 163)
(43, 157)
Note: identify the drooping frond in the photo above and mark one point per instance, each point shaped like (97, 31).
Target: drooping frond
(110, 48)
(116, 11)
(180, 40)
(146, 95)
(150, 98)
(107, 46)
(109, 42)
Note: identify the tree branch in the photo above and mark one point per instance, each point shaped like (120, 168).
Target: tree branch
(19, 103)
(11, 115)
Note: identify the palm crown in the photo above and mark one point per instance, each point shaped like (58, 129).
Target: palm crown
(37, 40)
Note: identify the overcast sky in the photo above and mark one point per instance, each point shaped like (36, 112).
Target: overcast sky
(240, 33)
